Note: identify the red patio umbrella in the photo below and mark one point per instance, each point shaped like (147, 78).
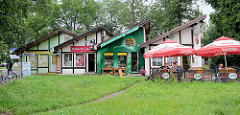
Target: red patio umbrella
(220, 47)
(169, 48)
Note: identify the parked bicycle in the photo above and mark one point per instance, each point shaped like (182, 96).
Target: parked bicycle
(9, 76)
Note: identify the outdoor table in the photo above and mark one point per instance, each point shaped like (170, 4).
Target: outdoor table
(225, 72)
(116, 69)
(193, 71)
(106, 69)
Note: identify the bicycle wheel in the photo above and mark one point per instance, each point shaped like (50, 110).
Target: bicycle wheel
(13, 75)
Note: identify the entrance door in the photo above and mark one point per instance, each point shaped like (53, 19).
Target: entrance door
(54, 64)
(134, 62)
(91, 62)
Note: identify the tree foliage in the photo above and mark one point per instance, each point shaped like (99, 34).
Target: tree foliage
(227, 17)
(168, 14)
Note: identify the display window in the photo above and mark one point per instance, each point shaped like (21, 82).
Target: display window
(68, 60)
(157, 62)
(80, 60)
(108, 59)
(33, 60)
(171, 60)
(43, 60)
(122, 59)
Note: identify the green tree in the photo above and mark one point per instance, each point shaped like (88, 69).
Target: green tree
(227, 17)
(168, 14)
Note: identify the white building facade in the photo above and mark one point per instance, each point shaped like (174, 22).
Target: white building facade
(75, 57)
(188, 34)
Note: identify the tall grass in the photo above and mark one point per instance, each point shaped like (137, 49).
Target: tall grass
(43, 93)
(163, 97)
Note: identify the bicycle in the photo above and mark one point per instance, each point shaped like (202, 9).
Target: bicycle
(8, 76)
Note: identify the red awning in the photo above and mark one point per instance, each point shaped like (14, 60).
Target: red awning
(81, 49)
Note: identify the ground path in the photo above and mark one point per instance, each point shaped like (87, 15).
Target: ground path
(103, 98)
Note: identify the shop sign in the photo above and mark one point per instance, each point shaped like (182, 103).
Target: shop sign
(26, 69)
(81, 49)
(58, 62)
(197, 76)
(165, 75)
(232, 76)
(28, 54)
(120, 36)
(129, 42)
(40, 52)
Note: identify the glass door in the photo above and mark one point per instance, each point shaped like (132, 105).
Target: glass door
(134, 62)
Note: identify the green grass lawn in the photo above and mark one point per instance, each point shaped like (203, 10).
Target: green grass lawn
(187, 98)
(42, 93)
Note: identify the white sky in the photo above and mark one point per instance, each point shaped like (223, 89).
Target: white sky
(205, 8)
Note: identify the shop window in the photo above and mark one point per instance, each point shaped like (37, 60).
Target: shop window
(80, 60)
(33, 60)
(157, 62)
(108, 59)
(68, 60)
(122, 59)
(171, 60)
(43, 61)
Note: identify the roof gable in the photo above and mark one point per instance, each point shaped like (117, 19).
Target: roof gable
(144, 24)
(173, 31)
(44, 38)
(76, 38)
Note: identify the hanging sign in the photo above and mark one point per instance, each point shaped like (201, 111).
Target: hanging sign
(81, 49)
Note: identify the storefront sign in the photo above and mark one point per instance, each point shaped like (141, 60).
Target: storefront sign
(40, 52)
(232, 76)
(165, 75)
(197, 76)
(26, 69)
(81, 49)
(120, 36)
(129, 42)
(28, 54)
(58, 62)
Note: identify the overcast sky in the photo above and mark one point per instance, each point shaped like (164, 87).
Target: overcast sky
(205, 8)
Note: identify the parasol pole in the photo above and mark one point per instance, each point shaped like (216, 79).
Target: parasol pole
(225, 59)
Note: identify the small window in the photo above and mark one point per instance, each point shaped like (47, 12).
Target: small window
(156, 61)
(108, 59)
(43, 61)
(68, 60)
(80, 60)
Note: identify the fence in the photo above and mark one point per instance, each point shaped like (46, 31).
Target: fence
(203, 75)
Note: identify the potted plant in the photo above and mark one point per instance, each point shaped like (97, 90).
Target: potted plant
(122, 65)
(142, 71)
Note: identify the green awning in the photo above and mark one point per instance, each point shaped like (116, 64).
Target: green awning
(119, 36)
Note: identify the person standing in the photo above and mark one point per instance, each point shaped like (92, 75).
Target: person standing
(217, 71)
(9, 66)
(179, 72)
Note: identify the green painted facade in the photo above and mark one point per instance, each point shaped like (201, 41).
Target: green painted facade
(119, 46)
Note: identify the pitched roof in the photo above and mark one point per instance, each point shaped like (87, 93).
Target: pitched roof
(173, 31)
(145, 24)
(76, 38)
(39, 40)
